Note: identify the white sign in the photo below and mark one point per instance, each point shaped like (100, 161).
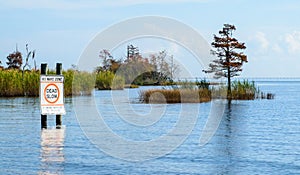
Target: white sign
(52, 95)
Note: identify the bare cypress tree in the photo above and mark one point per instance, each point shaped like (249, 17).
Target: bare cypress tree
(230, 57)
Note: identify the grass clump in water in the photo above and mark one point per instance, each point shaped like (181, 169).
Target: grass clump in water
(185, 92)
(241, 90)
(201, 91)
(175, 96)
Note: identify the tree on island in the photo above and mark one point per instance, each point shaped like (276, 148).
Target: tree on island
(230, 57)
(137, 69)
(14, 60)
(164, 64)
(108, 62)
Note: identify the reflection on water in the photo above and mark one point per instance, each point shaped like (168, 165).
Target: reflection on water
(52, 155)
(228, 136)
(226, 144)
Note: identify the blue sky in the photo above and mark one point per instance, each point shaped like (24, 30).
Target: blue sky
(59, 30)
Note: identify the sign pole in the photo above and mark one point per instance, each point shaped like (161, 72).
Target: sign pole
(58, 117)
(43, 117)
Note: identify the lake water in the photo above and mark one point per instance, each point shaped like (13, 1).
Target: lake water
(254, 137)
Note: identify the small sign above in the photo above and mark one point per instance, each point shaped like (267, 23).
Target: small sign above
(52, 95)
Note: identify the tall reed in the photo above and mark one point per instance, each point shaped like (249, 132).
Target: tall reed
(17, 83)
(31, 83)
(11, 83)
(241, 90)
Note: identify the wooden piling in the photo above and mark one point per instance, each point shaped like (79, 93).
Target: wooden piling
(58, 117)
(43, 117)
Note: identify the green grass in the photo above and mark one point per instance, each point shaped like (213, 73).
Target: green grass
(240, 90)
(31, 81)
(15, 83)
(10, 83)
(244, 90)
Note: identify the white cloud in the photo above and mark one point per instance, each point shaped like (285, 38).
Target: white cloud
(276, 48)
(288, 43)
(293, 42)
(260, 37)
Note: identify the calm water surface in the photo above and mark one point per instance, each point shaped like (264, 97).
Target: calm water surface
(254, 137)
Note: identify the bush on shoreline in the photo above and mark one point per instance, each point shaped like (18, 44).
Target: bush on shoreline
(107, 80)
(78, 83)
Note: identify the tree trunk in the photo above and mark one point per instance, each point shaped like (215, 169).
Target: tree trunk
(229, 96)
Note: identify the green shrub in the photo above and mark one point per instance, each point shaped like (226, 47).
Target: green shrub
(78, 82)
(107, 80)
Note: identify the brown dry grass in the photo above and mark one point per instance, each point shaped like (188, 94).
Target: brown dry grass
(175, 96)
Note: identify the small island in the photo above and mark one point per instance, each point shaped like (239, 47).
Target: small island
(228, 63)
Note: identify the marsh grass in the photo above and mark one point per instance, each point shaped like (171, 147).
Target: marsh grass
(241, 90)
(15, 83)
(202, 91)
(183, 92)
(10, 83)
(175, 96)
(31, 83)
(244, 90)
